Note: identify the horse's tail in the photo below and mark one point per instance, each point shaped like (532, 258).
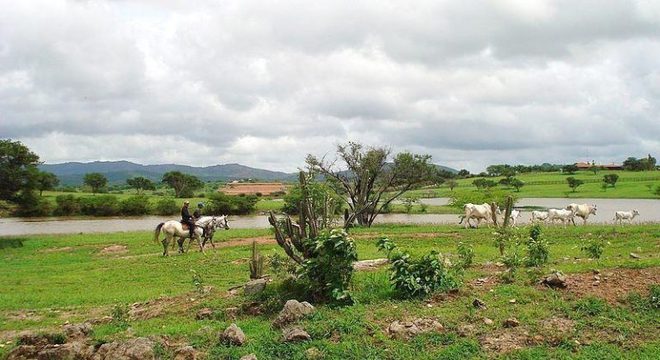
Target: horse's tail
(157, 231)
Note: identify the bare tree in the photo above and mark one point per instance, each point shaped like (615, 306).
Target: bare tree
(368, 182)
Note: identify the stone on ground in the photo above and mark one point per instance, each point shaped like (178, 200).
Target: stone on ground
(292, 312)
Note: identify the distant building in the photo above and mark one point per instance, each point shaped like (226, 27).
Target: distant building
(238, 188)
(589, 165)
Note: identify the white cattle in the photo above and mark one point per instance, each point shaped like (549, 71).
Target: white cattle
(619, 216)
(479, 212)
(539, 215)
(561, 214)
(582, 210)
(515, 214)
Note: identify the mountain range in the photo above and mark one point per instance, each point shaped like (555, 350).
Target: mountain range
(72, 173)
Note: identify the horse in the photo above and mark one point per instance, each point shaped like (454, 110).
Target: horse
(209, 229)
(174, 229)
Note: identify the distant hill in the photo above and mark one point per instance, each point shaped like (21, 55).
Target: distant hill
(72, 173)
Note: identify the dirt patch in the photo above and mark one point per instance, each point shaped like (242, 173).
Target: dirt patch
(557, 324)
(612, 285)
(154, 308)
(421, 235)
(56, 250)
(23, 315)
(505, 341)
(246, 241)
(114, 249)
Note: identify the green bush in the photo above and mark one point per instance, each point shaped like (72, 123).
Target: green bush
(416, 277)
(594, 248)
(465, 254)
(30, 205)
(67, 205)
(329, 269)
(220, 203)
(102, 205)
(166, 206)
(134, 206)
(537, 248)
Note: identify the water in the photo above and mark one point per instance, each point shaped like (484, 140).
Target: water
(649, 212)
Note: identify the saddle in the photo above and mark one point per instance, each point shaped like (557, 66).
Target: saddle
(185, 226)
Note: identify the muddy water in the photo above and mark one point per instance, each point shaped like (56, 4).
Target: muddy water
(649, 212)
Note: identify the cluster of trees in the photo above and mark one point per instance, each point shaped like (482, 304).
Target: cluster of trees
(511, 170)
(509, 181)
(634, 164)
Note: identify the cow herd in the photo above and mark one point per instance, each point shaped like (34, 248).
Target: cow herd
(565, 216)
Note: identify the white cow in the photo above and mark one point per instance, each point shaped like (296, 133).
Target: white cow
(479, 212)
(539, 215)
(625, 215)
(582, 210)
(561, 214)
(515, 214)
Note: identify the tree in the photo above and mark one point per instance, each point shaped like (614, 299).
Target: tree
(516, 184)
(183, 184)
(370, 183)
(610, 179)
(140, 183)
(574, 183)
(484, 183)
(451, 183)
(46, 181)
(463, 173)
(18, 169)
(569, 169)
(96, 181)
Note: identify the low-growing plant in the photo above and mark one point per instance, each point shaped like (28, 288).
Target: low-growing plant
(103, 205)
(197, 281)
(67, 205)
(590, 306)
(166, 206)
(409, 201)
(416, 277)
(281, 266)
(512, 260)
(134, 206)
(537, 248)
(465, 254)
(120, 316)
(593, 248)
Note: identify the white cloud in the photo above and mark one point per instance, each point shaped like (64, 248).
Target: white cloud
(263, 84)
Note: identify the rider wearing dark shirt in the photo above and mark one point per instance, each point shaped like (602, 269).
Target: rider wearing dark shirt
(186, 218)
(198, 214)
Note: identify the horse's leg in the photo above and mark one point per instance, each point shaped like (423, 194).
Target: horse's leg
(180, 241)
(165, 243)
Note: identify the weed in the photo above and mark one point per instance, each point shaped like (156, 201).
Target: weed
(197, 281)
(590, 306)
(465, 254)
(537, 248)
(593, 248)
(120, 316)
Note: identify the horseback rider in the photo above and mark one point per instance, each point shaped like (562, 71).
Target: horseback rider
(198, 214)
(186, 218)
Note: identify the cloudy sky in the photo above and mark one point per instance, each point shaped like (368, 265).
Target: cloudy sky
(263, 83)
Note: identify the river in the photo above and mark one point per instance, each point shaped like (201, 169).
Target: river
(649, 212)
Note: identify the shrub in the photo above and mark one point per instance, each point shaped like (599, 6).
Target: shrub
(329, 269)
(103, 205)
(512, 260)
(30, 205)
(593, 248)
(281, 266)
(537, 247)
(590, 306)
(416, 277)
(135, 205)
(166, 206)
(120, 316)
(67, 205)
(465, 254)
(220, 203)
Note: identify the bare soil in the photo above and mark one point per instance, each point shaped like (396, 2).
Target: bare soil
(114, 249)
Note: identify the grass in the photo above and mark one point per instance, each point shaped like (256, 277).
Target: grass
(631, 185)
(54, 279)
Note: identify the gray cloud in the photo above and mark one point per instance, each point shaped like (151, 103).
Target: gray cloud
(472, 83)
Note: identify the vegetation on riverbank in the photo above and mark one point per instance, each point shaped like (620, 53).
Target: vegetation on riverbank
(77, 277)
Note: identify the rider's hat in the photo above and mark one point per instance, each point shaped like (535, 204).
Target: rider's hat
(186, 202)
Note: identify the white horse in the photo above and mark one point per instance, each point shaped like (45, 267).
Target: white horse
(174, 229)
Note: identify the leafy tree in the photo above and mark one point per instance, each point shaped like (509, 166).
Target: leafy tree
(635, 164)
(320, 194)
(463, 173)
(46, 181)
(140, 183)
(574, 183)
(610, 179)
(183, 184)
(96, 181)
(484, 183)
(516, 184)
(18, 169)
(451, 183)
(569, 169)
(370, 182)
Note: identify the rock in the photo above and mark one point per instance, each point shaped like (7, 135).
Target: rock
(405, 330)
(185, 353)
(512, 301)
(635, 256)
(249, 357)
(133, 349)
(369, 264)
(511, 322)
(465, 330)
(233, 335)
(204, 314)
(293, 311)
(313, 353)
(232, 313)
(596, 283)
(477, 303)
(254, 287)
(40, 339)
(295, 334)
(555, 280)
(488, 321)
(78, 331)
(73, 350)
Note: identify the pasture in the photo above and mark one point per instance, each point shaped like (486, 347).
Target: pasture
(51, 280)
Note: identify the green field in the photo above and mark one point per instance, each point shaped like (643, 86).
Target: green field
(54, 279)
(631, 185)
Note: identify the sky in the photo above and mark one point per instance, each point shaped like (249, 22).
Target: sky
(263, 83)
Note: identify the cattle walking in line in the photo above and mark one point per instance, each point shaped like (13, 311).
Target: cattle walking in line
(561, 214)
(619, 216)
(582, 210)
(515, 214)
(539, 216)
